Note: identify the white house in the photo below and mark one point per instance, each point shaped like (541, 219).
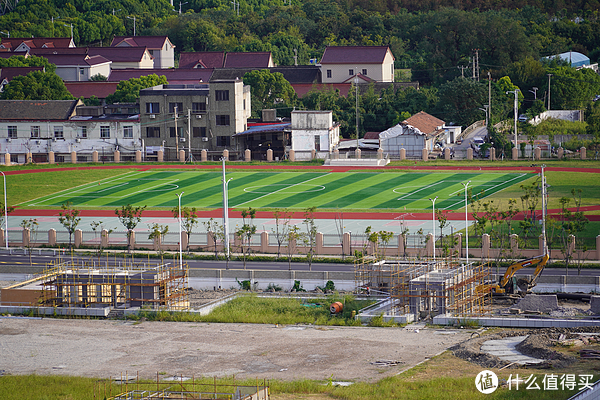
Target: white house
(313, 130)
(421, 131)
(159, 47)
(367, 63)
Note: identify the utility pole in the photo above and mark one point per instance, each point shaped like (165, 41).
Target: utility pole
(549, 75)
(490, 97)
(190, 136)
(516, 92)
(356, 87)
(176, 133)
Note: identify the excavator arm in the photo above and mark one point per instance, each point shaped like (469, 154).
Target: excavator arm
(538, 261)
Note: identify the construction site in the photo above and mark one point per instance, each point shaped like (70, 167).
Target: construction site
(421, 288)
(70, 287)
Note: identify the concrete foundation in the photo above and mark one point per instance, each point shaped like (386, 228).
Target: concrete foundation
(538, 302)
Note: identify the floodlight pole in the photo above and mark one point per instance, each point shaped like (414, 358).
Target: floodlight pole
(466, 220)
(544, 205)
(225, 212)
(5, 213)
(179, 218)
(516, 111)
(433, 223)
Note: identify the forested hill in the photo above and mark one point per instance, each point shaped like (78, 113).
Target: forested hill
(424, 35)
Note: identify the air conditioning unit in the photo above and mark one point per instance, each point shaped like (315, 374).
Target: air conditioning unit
(198, 116)
(152, 116)
(77, 140)
(8, 140)
(182, 139)
(38, 142)
(54, 139)
(205, 139)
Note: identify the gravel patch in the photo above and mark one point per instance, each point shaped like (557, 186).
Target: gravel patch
(105, 348)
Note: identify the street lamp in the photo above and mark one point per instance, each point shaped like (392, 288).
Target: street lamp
(180, 4)
(534, 91)
(179, 218)
(466, 220)
(225, 211)
(516, 92)
(433, 223)
(133, 18)
(544, 211)
(485, 110)
(7, 33)
(5, 213)
(70, 25)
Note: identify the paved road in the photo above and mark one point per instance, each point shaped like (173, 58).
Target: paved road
(21, 264)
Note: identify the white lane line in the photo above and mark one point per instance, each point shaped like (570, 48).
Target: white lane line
(268, 194)
(423, 188)
(85, 186)
(499, 184)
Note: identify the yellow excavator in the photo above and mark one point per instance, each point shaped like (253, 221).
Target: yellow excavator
(509, 284)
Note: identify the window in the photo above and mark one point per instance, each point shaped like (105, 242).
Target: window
(198, 107)
(81, 71)
(244, 104)
(318, 143)
(222, 95)
(153, 131)
(364, 71)
(104, 132)
(329, 73)
(199, 131)
(152, 108)
(58, 132)
(82, 132)
(223, 141)
(128, 132)
(351, 72)
(172, 108)
(12, 132)
(35, 132)
(172, 131)
(222, 120)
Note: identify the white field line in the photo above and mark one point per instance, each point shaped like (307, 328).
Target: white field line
(423, 188)
(268, 194)
(81, 187)
(500, 184)
(150, 188)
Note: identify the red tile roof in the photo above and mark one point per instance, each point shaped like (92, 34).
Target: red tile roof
(371, 135)
(424, 122)
(10, 72)
(354, 54)
(207, 59)
(174, 76)
(304, 88)
(151, 42)
(36, 43)
(88, 89)
(74, 59)
(116, 54)
(259, 59)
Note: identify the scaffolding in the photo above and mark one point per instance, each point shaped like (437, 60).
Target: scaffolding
(161, 286)
(424, 287)
(185, 389)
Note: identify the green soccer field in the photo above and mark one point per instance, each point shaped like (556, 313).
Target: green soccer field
(294, 190)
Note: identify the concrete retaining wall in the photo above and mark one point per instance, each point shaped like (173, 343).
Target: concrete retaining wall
(517, 322)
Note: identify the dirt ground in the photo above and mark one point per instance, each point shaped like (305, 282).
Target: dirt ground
(105, 348)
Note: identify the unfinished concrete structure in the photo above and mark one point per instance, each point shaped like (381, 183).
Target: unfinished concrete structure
(424, 287)
(69, 285)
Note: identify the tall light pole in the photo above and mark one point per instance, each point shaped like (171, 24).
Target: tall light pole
(549, 75)
(71, 25)
(7, 33)
(534, 91)
(133, 18)
(485, 110)
(5, 213)
(179, 218)
(433, 223)
(466, 220)
(516, 92)
(356, 87)
(180, 4)
(544, 205)
(225, 212)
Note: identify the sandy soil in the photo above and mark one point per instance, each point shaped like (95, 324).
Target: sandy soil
(105, 348)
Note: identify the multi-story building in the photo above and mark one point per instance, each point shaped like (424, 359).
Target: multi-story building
(194, 117)
(67, 129)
